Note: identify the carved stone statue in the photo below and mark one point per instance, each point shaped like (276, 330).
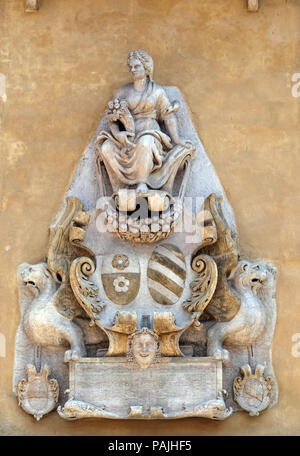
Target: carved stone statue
(249, 280)
(43, 324)
(153, 331)
(143, 154)
(135, 150)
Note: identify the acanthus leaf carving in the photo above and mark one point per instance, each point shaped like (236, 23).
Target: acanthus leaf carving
(85, 291)
(203, 287)
(66, 235)
(225, 252)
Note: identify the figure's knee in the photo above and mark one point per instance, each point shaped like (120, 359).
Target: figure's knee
(146, 141)
(107, 148)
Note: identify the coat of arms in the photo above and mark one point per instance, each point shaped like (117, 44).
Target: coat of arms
(144, 304)
(38, 395)
(253, 391)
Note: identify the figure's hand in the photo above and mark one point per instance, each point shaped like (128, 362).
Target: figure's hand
(122, 137)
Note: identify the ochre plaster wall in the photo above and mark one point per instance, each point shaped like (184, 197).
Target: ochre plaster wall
(234, 68)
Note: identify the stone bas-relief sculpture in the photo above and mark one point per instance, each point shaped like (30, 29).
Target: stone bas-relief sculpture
(140, 159)
(142, 307)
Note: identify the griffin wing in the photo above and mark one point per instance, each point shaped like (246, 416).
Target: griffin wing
(66, 235)
(225, 303)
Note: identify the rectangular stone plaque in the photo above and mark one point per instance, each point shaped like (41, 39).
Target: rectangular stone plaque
(173, 385)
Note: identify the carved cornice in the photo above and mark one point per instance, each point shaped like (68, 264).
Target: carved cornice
(32, 6)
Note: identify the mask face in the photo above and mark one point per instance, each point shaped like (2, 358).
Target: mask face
(144, 348)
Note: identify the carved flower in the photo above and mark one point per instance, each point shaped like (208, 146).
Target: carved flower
(120, 262)
(118, 110)
(121, 284)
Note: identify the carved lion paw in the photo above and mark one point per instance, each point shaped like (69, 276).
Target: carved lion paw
(222, 355)
(72, 355)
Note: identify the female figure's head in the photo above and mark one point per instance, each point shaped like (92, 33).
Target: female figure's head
(140, 64)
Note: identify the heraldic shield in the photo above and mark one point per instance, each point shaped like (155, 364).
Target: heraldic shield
(120, 276)
(166, 274)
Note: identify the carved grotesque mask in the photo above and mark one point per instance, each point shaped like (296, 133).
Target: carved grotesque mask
(143, 348)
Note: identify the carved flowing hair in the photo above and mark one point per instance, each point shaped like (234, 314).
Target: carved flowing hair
(132, 336)
(145, 59)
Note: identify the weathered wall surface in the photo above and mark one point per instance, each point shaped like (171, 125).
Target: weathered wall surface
(234, 69)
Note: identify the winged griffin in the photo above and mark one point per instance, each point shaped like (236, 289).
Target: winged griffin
(233, 292)
(48, 317)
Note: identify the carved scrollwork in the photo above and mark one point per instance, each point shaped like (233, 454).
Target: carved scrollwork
(66, 235)
(85, 291)
(225, 252)
(124, 324)
(164, 325)
(203, 287)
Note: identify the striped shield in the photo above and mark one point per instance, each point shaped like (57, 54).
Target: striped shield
(166, 274)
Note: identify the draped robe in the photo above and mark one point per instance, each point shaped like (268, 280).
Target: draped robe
(152, 160)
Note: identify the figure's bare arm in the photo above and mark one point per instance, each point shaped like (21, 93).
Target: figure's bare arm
(167, 114)
(172, 128)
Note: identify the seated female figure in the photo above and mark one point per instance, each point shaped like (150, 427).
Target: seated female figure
(136, 152)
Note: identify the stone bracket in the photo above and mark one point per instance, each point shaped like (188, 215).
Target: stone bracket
(32, 6)
(253, 5)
